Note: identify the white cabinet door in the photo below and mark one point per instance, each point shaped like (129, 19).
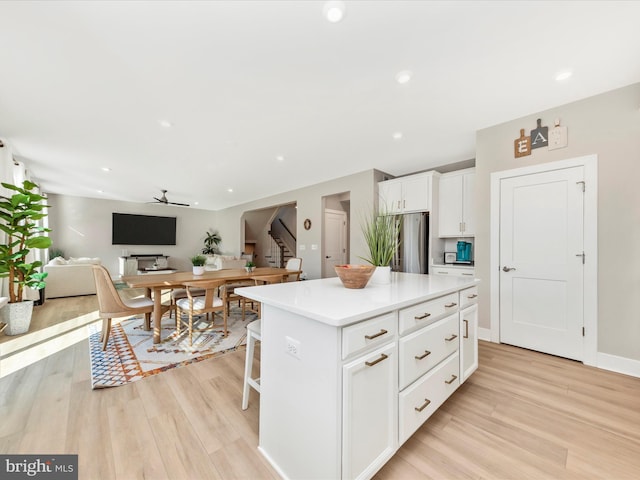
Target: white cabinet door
(469, 341)
(416, 193)
(390, 196)
(456, 211)
(450, 205)
(468, 209)
(406, 194)
(369, 415)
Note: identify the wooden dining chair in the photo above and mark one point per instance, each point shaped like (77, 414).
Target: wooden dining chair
(194, 306)
(178, 293)
(259, 280)
(294, 264)
(111, 305)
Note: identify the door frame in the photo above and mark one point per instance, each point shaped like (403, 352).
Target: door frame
(590, 297)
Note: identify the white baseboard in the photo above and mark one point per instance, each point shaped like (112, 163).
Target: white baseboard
(605, 361)
(484, 334)
(617, 364)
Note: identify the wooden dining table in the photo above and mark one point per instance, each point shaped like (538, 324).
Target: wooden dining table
(155, 283)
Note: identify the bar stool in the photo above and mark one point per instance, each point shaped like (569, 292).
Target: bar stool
(253, 335)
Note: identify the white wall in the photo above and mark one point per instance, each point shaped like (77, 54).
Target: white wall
(82, 228)
(607, 125)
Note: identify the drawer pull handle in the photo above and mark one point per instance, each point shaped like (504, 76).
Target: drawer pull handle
(449, 305)
(451, 380)
(468, 274)
(466, 329)
(451, 338)
(423, 406)
(422, 317)
(473, 295)
(375, 335)
(377, 360)
(424, 355)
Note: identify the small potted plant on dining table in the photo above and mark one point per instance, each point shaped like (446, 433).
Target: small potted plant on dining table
(198, 264)
(249, 266)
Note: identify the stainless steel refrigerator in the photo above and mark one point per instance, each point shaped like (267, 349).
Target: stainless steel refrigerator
(413, 254)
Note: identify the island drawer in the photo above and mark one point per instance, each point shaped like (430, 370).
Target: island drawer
(427, 312)
(375, 331)
(468, 296)
(420, 351)
(421, 399)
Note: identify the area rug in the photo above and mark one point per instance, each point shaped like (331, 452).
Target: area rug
(131, 354)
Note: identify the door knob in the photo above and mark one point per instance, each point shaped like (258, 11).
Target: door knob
(327, 256)
(507, 269)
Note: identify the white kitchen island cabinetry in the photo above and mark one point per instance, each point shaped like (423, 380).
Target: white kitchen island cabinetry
(332, 404)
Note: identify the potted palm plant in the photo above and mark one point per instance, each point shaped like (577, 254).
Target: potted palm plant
(19, 215)
(211, 242)
(382, 235)
(198, 264)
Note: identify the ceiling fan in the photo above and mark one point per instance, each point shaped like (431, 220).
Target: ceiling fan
(163, 199)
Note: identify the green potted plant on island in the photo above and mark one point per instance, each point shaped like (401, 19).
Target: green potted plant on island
(249, 266)
(19, 216)
(382, 235)
(198, 264)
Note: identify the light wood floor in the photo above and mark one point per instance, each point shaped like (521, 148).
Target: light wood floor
(522, 415)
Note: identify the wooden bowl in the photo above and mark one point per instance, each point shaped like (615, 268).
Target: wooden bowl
(354, 276)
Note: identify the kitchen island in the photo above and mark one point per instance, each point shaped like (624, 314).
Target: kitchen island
(347, 376)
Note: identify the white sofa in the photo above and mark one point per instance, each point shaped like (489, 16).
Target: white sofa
(224, 262)
(68, 278)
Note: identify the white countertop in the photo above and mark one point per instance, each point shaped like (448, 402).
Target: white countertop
(329, 302)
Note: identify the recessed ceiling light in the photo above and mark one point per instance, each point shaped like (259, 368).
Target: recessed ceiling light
(334, 11)
(165, 123)
(563, 75)
(230, 190)
(99, 191)
(196, 203)
(397, 135)
(106, 169)
(280, 158)
(404, 76)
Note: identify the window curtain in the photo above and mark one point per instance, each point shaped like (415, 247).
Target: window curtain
(12, 171)
(6, 176)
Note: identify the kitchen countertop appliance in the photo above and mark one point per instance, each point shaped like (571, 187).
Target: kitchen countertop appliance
(463, 253)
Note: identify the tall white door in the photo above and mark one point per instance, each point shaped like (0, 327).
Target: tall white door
(335, 241)
(541, 261)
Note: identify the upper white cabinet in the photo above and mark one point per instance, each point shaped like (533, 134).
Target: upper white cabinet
(406, 194)
(455, 216)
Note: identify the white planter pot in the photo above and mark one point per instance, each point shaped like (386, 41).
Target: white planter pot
(17, 316)
(198, 270)
(381, 276)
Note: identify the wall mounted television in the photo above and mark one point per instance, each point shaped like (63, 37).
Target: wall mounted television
(130, 229)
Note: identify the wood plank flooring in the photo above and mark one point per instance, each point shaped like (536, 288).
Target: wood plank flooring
(522, 415)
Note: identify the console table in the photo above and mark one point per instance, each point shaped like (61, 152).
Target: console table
(142, 264)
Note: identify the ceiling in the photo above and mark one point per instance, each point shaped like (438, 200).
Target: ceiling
(85, 86)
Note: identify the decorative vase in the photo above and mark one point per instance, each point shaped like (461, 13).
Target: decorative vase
(198, 270)
(17, 316)
(249, 269)
(381, 276)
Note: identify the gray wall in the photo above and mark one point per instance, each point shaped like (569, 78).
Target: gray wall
(82, 228)
(363, 193)
(607, 125)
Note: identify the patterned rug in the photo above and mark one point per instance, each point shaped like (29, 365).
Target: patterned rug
(131, 354)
